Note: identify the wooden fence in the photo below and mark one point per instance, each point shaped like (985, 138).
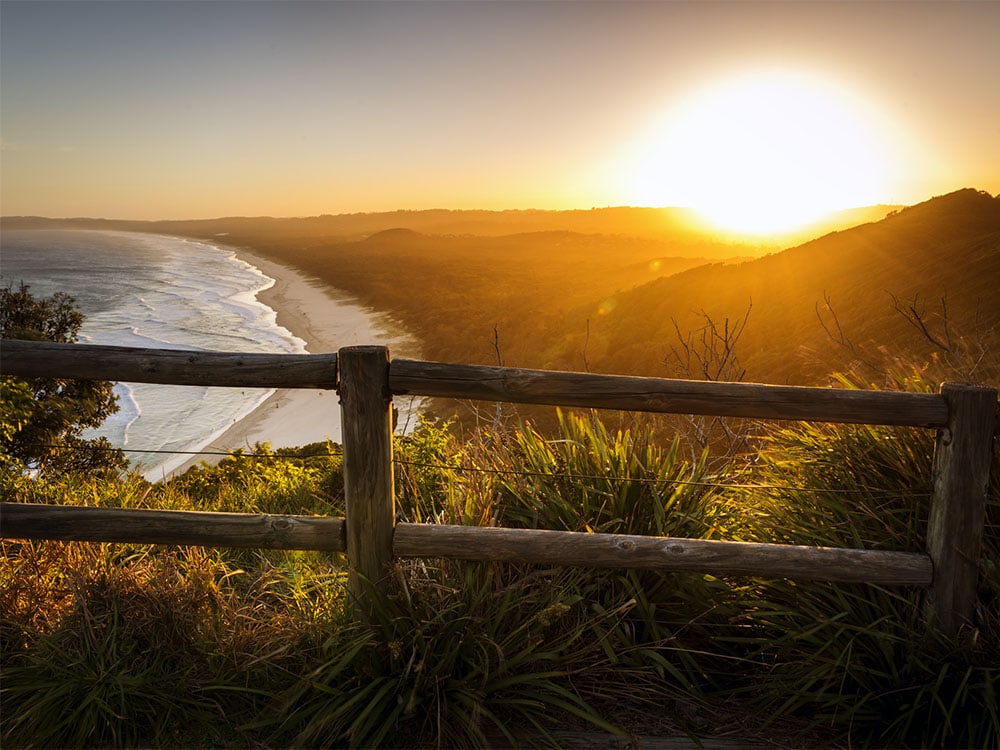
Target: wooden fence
(964, 416)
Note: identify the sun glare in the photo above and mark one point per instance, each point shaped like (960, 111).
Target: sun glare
(762, 154)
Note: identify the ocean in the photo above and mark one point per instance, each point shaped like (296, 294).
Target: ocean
(156, 291)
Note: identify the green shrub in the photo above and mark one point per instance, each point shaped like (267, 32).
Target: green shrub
(286, 481)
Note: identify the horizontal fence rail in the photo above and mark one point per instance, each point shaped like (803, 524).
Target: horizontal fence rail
(964, 415)
(585, 550)
(532, 546)
(39, 359)
(588, 390)
(507, 384)
(185, 527)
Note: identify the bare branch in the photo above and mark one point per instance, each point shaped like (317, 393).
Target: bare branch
(496, 344)
(840, 338)
(915, 317)
(710, 353)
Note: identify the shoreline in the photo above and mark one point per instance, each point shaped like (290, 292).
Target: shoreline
(326, 319)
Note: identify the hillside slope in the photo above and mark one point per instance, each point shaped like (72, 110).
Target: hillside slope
(460, 294)
(947, 248)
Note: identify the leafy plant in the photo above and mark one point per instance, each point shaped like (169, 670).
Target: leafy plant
(462, 654)
(118, 645)
(856, 659)
(293, 481)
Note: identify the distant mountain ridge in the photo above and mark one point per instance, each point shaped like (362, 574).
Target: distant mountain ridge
(677, 225)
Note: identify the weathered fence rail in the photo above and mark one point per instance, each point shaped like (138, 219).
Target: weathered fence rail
(662, 553)
(247, 530)
(588, 390)
(964, 415)
(41, 359)
(507, 384)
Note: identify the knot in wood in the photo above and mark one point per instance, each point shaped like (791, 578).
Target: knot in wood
(626, 544)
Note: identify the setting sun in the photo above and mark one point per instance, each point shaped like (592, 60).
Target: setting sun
(763, 153)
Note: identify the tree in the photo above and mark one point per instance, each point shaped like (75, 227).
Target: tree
(42, 419)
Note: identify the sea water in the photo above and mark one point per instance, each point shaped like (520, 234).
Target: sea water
(156, 291)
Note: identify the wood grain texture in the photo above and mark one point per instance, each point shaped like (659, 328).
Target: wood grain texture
(962, 456)
(662, 553)
(666, 396)
(366, 417)
(41, 359)
(197, 528)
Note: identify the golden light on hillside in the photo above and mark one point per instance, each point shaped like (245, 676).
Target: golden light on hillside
(763, 153)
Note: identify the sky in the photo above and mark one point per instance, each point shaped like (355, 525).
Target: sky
(169, 110)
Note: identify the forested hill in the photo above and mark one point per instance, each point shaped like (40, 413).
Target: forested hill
(938, 258)
(460, 294)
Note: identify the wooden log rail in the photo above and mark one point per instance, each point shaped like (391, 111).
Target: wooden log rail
(588, 390)
(43, 359)
(532, 546)
(538, 546)
(964, 415)
(508, 384)
(185, 527)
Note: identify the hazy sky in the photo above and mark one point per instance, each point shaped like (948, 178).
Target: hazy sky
(201, 109)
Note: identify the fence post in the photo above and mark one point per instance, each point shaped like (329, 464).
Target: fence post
(962, 455)
(366, 416)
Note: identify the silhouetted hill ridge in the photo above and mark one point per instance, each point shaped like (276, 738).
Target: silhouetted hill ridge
(947, 248)
(680, 226)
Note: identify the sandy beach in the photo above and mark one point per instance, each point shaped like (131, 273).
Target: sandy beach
(326, 320)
